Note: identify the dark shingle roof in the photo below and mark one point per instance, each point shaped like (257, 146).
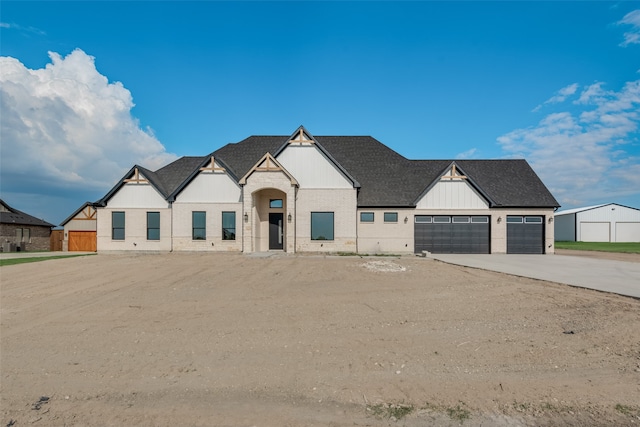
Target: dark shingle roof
(14, 216)
(242, 156)
(384, 177)
(174, 174)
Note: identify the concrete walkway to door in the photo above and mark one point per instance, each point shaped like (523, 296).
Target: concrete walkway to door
(604, 275)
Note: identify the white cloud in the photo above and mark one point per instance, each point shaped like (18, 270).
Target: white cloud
(66, 127)
(21, 28)
(560, 96)
(632, 36)
(469, 154)
(589, 155)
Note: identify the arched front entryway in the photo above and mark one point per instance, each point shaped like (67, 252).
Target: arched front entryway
(269, 220)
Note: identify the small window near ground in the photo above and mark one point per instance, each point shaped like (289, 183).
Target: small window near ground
(366, 216)
(229, 225)
(391, 217)
(514, 220)
(117, 225)
(442, 219)
(533, 220)
(199, 225)
(321, 225)
(275, 203)
(423, 219)
(153, 225)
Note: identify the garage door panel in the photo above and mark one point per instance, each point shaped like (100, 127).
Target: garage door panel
(628, 232)
(82, 241)
(525, 237)
(595, 232)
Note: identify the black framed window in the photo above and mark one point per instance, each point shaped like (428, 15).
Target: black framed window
(198, 225)
(228, 226)
(275, 203)
(366, 216)
(117, 225)
(321, 225)
(391, 217)
(153, 225)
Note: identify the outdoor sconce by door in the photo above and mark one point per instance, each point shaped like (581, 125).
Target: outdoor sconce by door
(499, 219)
(246, 217)
(289, 218)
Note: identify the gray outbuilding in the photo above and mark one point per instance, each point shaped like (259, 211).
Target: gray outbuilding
(602, 223)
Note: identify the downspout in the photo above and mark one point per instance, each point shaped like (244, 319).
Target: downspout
(242, 216)
(171, 207)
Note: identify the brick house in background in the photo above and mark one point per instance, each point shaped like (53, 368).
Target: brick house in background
(21, 231)
(301, 193)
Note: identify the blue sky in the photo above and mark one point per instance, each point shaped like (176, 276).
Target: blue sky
(91, 88)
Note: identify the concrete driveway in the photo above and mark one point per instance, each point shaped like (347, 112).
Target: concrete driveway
(604, 275)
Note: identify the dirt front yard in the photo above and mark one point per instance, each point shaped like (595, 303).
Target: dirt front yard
(217, 340)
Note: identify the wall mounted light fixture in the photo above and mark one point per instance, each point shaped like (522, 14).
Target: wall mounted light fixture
(289, 218)
(246, 217)
(499, 219)
(550, 220)
(406, 219)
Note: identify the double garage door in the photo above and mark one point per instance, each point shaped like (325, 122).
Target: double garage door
(457, 234)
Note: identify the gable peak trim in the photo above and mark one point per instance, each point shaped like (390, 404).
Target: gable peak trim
(137, 179)
(454, 174)
(267, 163)
(211, 167)
(301, 137)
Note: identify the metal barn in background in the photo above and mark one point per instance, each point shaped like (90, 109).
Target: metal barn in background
(602, 223)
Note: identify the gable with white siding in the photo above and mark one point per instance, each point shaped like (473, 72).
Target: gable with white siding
(311, 167)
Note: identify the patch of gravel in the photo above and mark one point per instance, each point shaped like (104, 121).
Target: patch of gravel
(384, 266)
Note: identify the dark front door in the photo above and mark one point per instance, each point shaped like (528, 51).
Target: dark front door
(276, 232)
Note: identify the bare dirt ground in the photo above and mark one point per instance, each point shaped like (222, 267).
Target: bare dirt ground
(234, 340)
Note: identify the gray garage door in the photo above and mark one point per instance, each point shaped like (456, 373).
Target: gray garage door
(525, 234)
(452, 234)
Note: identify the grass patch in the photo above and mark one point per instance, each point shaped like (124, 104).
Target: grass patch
(627, 410)
(14, 261)
(397, 411)
(459, 412)
(625, 247)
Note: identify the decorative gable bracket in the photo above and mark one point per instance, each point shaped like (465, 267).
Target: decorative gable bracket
(267, 163)
(211, 167)
(137, 178)
(453, 174)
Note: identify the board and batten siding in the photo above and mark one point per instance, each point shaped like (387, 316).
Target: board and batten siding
(212, 188)
(142, 196)
(311, 168)
(452, 195)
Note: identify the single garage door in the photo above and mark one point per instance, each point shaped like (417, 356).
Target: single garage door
(82, 241)
(441, 234)
(628, 232)
(595, 232)
(525, 234)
